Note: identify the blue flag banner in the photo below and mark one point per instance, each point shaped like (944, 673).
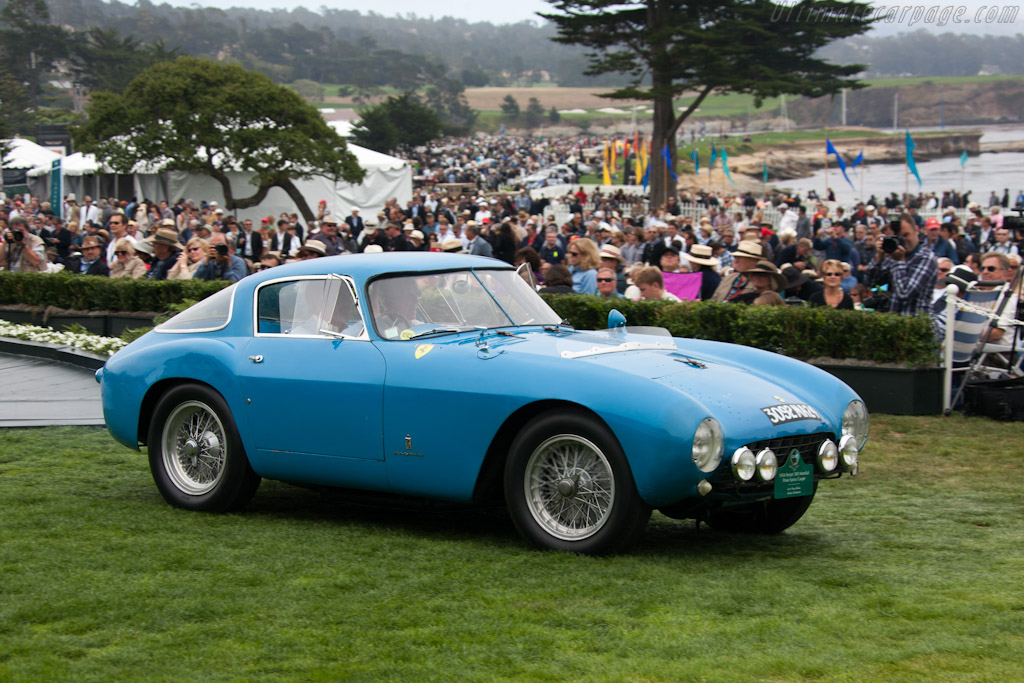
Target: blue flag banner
(725, 165)
(667, 156)
(963, 159)
(830, 149)
(647, 175)
(858, 161)
(714, 156)
(696, 160)
(764, 171)
(910, 159)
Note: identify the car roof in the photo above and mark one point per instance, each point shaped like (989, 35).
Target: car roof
(365, 266)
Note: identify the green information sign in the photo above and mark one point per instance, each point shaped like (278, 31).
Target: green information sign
(56, 187)
(795, 477)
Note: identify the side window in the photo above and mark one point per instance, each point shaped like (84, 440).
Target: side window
(291, 307)
(341, 315)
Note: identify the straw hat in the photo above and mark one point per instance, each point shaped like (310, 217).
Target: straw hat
(749, 249)
(764, 267)
(452, 245)
(165, 236)
(315, 246)
(612, 251)
(701, 254)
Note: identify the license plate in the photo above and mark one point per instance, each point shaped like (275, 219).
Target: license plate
(795, 477)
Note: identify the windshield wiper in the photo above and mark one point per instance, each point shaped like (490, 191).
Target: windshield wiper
(444, 330)
(558, 328)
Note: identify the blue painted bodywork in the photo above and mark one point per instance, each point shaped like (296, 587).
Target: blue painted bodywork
(418, 417)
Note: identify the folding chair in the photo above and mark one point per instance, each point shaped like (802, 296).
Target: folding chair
(1007, 354)
(972, 313)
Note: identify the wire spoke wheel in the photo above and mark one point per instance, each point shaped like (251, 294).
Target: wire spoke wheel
(569, 487)
(194, 448)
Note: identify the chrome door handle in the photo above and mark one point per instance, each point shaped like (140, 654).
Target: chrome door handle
(256, 359)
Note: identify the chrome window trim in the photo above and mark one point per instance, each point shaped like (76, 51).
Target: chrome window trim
(294, 278)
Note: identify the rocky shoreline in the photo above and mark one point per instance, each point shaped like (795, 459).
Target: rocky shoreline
(803, 158)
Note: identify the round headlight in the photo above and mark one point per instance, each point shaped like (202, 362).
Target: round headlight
(767, 465)
(708, 445)
(856, 423)
(743, 464)
(828, 456)
(848, 451)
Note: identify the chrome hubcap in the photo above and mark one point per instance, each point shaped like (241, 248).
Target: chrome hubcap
(192, 448)
(569, 487)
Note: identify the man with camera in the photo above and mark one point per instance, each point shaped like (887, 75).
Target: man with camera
(909, 267)
(22, 251)
(219, 263)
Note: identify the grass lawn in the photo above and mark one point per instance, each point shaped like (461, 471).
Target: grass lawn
(911, 571)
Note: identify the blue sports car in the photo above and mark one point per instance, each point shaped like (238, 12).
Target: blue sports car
(446, 376)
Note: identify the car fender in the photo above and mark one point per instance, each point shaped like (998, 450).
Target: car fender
(132, 378)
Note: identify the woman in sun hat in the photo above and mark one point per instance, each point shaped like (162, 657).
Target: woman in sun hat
(703, 261)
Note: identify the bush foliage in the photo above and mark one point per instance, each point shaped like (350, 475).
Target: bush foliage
(792, 331)
(89, 293)
(797, 332)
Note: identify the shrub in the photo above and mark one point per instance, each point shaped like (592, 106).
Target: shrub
(792, 331)
(89, 293)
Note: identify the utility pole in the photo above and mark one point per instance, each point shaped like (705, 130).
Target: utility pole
(843, 116)
(895, 111)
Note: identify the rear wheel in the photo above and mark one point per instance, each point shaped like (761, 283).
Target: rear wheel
(569, 486)
(195, 453)
(765, 517)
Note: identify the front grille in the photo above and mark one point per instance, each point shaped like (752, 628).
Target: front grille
(723, 480)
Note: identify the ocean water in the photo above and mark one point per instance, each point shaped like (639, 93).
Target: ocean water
(982, 174)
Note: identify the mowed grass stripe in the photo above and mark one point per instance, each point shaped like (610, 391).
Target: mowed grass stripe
(911, 571)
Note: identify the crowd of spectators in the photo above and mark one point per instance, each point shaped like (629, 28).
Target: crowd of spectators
(611, 245)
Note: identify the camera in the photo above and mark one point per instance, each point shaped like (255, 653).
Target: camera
(222, 249)
(1013, 223)
(15, 235)
(890, 243)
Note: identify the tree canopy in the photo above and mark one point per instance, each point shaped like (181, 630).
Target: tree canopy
(401, 121)
(208, 118)
(672, 48)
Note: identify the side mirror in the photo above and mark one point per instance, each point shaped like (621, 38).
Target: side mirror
(616, 319)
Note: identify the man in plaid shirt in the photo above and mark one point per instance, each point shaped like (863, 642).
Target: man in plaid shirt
(910, 271)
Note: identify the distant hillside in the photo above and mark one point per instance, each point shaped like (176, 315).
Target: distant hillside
(927, 103)
(346, 46)
(329, 47)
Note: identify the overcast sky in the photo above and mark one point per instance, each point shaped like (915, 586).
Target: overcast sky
(959, 18)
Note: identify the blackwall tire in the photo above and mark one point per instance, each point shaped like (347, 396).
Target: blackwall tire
(569, 487)
(195, 453)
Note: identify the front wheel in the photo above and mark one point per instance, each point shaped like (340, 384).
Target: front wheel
(569, 487)
(766, 517)
(195, 453)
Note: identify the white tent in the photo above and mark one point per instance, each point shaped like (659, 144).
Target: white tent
(27, 154)
(386, 177)
(21, 156)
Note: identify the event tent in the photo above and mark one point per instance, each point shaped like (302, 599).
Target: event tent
(23, 155)
(386, 177)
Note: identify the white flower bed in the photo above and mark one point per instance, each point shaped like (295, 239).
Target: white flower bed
(103, 346)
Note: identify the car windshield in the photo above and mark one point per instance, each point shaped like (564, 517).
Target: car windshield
(410, 306)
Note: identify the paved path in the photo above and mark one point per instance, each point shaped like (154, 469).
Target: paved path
(36, 392)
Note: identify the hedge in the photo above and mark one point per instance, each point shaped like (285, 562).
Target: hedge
(793, 331)
(92, 293)
(798, 332)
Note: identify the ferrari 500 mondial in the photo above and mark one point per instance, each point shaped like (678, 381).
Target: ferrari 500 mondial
(446, 376)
